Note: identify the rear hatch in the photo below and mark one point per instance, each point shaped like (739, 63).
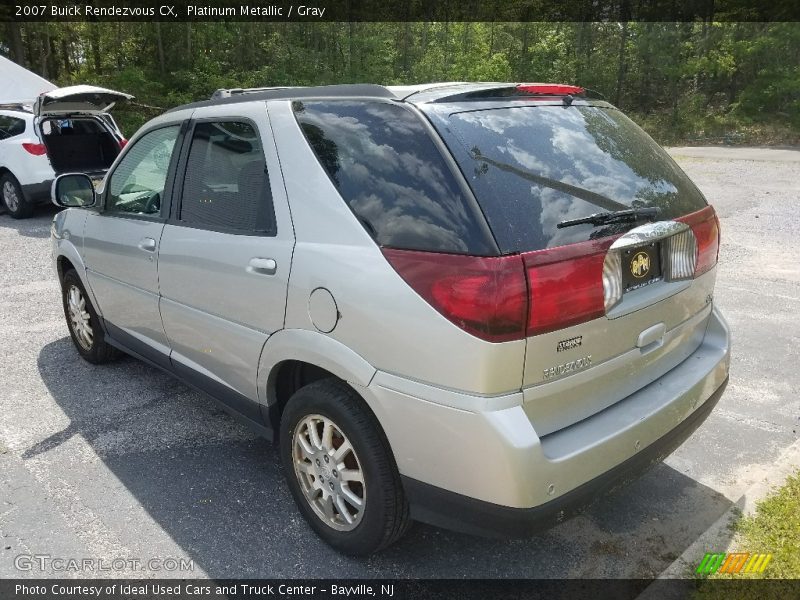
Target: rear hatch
(77, 99)
(77, 130)
(612, 305)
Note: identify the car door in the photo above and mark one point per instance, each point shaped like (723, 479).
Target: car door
(225, 254)
(121, 240)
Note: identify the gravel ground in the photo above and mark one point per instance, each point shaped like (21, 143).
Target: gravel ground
(121, 461)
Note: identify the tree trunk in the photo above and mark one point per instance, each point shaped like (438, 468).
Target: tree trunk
(621, 63)
(189, 43)
(406, 34)
(160, 43)
(524, 59)
(446, 66)
(65, 56)
(45, 72)
(94, 44)
(119, 41)
(646, 60)
(350, 51)
(17, 49)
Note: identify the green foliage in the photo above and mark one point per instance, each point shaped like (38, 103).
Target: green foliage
(685, 82)
(773, 529)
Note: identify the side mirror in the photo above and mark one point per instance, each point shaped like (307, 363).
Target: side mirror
(73, 190)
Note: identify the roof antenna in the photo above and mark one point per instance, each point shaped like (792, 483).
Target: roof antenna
(568, 100)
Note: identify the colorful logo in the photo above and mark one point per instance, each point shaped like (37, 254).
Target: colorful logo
(735, 562)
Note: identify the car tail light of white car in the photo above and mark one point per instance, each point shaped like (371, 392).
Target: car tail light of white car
(35, 149)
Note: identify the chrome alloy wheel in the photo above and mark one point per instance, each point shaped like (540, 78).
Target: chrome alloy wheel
(10, 196)
(329, 472)
(79, 318)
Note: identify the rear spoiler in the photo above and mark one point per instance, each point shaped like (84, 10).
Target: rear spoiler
(522, 90)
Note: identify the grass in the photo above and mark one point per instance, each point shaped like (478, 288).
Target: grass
(774, 529)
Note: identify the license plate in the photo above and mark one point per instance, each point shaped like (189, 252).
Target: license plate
(641, 266)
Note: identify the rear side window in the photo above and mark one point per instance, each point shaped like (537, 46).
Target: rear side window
(533, 166)
(11, 126)
(226, 186)
(385, 165)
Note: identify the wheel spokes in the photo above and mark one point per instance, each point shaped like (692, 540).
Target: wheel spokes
(351, 475)
(327, 437)
(342, 451)
(313, 433)
(329, 472)
(79, 318)
(351, 497)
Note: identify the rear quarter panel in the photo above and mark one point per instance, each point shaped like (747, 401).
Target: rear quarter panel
(382, 318)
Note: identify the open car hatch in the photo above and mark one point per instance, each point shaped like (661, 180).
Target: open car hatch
(77, 99)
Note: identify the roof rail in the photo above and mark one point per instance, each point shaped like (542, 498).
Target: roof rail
(348, 90)
(227, 93)
(18, 106)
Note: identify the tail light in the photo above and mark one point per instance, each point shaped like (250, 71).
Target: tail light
(705, 226)
(122, 143)
(566, 285)
(35, 149)
(680, 256)
(507, 298)
(551, 89)
(612, 280)
(487, 297)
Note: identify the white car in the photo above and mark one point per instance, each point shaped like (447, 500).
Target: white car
(66, 130)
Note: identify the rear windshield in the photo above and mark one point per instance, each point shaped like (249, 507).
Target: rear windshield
(387, 168)
(67, 126)
(532, 167)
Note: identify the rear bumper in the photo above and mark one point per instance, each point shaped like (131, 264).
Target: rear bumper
(444, 508)
(478, 464)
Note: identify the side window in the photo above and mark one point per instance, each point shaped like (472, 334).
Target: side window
(226, 186)
(137, 184)
(11, 126)
(387, 168)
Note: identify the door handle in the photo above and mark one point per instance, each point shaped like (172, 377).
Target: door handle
(147, 244)
(263, 266)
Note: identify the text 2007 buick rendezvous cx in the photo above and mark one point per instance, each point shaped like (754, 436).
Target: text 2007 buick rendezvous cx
(473, 305)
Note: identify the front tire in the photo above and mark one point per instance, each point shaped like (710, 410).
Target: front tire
(13, 198)
(340, 469)
(83, 322)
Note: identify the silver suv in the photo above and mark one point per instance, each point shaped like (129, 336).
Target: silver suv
(473, 305)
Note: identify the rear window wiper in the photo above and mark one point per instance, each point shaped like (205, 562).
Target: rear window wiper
(617, 216)
(560, 186)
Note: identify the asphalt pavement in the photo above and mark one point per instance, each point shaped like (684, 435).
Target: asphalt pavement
(120, 461)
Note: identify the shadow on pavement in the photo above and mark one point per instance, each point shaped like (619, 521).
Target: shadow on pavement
(218, 491)
(36, 226)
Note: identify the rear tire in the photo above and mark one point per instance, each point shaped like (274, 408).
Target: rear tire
(83, 323)
(13, 198)
(352, 498)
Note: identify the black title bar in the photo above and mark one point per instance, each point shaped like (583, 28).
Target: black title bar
(401, 10)
(391, 589)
